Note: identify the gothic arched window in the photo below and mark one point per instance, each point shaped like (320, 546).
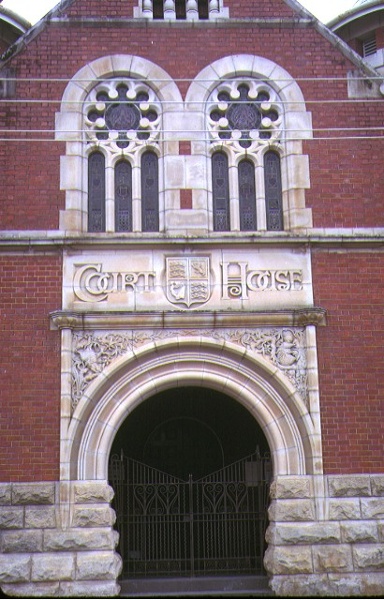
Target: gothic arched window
(123, 196)
(245, 116)
(150, 192)
(121, 116)
(96, 192)
(220, 192)
(247, 195)
(273, 191)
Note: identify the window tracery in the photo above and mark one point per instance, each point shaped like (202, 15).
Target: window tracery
(246, 116)
(122, 116)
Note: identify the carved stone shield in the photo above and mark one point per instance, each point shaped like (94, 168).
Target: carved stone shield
(188, 280)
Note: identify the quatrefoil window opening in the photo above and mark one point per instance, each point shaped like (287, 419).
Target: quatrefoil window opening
(245, 114)
(122, 115)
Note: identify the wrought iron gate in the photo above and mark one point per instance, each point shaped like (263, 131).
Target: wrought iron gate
(168, 527)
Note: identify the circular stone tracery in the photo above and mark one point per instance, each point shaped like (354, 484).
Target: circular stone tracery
(244, 112)
(122, 113)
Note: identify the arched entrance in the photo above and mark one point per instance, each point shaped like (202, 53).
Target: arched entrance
(190, 468)
(238, 375)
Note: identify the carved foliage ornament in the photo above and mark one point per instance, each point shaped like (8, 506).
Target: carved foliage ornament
(283, 347)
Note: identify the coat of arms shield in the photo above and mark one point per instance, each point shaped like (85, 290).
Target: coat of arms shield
(188, 280)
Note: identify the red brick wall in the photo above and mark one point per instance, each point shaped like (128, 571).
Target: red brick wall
(341, 194)
(351, 287)
(29, 368)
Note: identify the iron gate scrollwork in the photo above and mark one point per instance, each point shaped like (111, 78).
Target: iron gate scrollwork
(169, 526)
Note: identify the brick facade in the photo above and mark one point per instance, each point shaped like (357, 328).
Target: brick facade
(332, 190)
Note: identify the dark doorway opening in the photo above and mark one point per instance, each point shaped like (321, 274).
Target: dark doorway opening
(190, 468)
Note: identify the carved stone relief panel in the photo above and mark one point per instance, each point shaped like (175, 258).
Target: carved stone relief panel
(283, 347)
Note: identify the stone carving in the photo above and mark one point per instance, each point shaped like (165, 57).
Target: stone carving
(283, 347)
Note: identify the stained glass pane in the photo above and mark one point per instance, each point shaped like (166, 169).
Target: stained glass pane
(150, 192)
(220, 188)
(123, 196)
(96, 192)
(247, 196)
(273, 192)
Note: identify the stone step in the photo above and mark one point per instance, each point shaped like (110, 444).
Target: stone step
(197, 587)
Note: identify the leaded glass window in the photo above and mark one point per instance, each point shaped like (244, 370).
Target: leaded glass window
(220, 188)
(273, 191)
(150, 192)
(96, 192)
(121, 116)
(247, 196)
(123, 196)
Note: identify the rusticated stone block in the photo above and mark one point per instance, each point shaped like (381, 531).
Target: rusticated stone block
(80, 539)
(279, 560)
(32, 590)
(89, 589)
(53, 567)
(5, 493)
(291, 510)
(328, 559)
(372, 508)
(40, 517)
(93, 492)
(377, 485)
(303, 533)
(291, 487)
(299, 586)
(11, 517)
(15, 568)
(359, 531)
(22, 541)
(369, 557)
(98, 565)
(372, 584)
(95, 516)
(349, 486)
(340, 510)
(36, 493)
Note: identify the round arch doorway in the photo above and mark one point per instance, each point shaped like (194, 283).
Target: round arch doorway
(190, 467)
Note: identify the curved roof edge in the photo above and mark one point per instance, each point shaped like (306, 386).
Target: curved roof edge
(356, 12)
(14, 20)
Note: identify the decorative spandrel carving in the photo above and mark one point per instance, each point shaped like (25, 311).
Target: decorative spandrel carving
(284, 347)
